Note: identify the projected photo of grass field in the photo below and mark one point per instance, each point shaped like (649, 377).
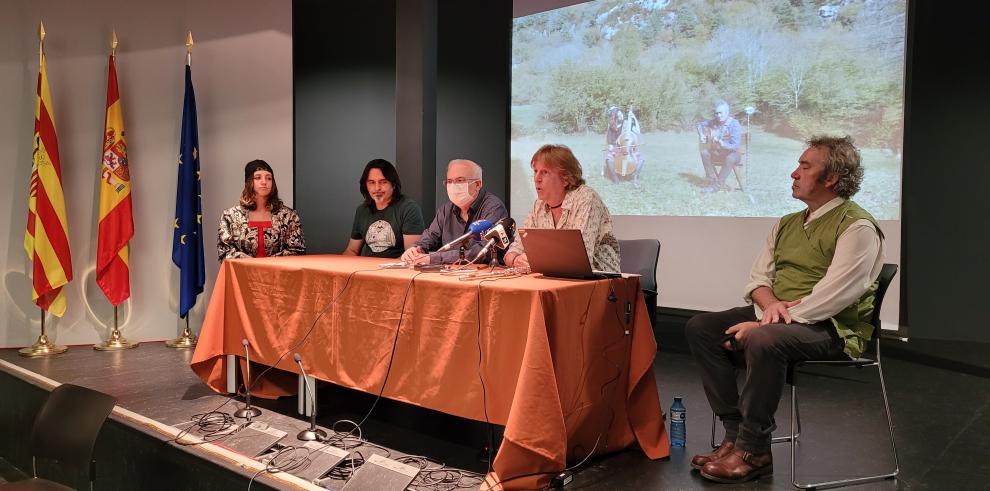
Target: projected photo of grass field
(787, 70)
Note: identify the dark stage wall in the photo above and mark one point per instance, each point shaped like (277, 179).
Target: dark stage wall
(945, 236)
(417, 82)
(344, 85)
(428, 81)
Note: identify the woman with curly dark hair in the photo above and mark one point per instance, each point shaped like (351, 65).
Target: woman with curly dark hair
(260, 225)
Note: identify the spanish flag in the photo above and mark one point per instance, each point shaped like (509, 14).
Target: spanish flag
(116, 222)
(46, 239)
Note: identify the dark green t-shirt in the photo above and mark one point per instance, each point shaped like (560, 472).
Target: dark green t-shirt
(382, 230)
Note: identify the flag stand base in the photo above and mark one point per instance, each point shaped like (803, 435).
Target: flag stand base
(42, 347)
(182, 342)
(186, 340)
(115, 343)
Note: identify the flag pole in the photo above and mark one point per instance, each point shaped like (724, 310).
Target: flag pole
(115, 342)
(42, 347)
(187, 339)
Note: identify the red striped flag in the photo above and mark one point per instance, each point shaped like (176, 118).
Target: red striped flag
(46, 239)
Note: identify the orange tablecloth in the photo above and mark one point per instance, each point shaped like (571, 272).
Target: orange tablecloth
(562, 368)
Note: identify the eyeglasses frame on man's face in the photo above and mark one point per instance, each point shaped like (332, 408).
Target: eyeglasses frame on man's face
(459, 180)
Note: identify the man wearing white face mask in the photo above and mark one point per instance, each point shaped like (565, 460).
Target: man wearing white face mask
(468, 203)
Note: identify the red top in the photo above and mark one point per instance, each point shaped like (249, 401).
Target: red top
(261, 226)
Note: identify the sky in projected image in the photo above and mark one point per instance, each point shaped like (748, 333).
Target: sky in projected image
(626, 84)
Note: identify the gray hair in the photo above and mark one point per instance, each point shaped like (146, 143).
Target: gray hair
(474, 166)
(843, 160)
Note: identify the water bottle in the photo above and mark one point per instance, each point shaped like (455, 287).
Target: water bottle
(678, 416)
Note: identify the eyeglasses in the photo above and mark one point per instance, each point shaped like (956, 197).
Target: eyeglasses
(459, 180)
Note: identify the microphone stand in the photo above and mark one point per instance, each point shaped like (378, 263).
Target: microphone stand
(248, 411)
(312, 434)
(492, 258)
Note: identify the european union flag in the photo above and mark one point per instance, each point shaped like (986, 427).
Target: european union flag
(187, 240)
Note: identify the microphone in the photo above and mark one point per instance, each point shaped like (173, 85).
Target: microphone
(474, 230)
(500, 235)
(313, 433)
(248, 411)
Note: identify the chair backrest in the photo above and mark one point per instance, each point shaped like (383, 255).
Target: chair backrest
(887, 273)
(68, 424)
(640, 256)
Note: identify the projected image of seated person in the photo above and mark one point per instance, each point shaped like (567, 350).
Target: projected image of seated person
(387, 220)
(564, 201)
(812, 291)
(260, 225)
(623, 161)
(470, 207)
(719, 139)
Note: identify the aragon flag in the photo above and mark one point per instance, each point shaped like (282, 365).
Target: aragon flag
(46, 239)
(116, 226)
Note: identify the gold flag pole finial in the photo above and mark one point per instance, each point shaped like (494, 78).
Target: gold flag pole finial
(41, 42)
(189, 45)
(113, 43)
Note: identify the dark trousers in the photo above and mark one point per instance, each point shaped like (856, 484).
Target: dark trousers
(747, 412)
(728, 159)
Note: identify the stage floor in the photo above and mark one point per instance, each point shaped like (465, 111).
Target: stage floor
(940, 419)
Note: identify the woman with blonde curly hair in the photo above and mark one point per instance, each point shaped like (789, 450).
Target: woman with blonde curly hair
(563, 200)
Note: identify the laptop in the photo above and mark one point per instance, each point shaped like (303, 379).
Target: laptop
(559, 253)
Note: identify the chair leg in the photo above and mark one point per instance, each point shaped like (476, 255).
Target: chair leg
(857, 480)
(793, 434)
(713, 431)
(890, 421)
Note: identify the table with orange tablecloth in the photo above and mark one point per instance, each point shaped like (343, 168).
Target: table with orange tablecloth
(564, 367)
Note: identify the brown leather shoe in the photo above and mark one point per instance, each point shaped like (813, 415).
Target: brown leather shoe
(738, 466)
(720, 451)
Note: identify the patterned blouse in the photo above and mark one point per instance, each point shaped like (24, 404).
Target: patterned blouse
(584, 210)
(236, 239)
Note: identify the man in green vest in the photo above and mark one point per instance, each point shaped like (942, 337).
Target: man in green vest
(811, 289)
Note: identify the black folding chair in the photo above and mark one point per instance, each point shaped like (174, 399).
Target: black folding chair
(640, 256)
(64, 433)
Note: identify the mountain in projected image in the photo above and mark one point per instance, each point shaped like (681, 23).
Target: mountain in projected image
(633, 88)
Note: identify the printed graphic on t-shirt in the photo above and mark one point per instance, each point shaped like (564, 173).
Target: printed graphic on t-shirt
(380, 236)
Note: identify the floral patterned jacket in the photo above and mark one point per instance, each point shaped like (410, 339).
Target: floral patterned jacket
(236, 239)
